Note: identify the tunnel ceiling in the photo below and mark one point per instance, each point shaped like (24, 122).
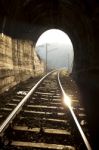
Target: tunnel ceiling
(78, 18)
(29, 18)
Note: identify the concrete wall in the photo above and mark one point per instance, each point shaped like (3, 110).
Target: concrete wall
(18, 61)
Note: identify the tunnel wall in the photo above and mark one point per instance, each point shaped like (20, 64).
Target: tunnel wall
(18, 62)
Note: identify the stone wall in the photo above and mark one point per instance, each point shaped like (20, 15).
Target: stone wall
(18, 62)
(38, 68)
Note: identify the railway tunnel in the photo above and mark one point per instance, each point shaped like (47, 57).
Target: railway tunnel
(80, 20)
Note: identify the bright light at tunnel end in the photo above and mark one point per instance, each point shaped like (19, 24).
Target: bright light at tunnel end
(56, 36)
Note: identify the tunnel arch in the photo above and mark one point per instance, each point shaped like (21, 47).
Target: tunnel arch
(81, 43)
(72, 17)
(56, 39)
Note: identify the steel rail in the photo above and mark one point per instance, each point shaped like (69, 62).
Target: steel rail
(75, 119)
(18, 108)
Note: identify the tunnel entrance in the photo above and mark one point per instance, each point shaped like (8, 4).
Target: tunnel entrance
(56, 49)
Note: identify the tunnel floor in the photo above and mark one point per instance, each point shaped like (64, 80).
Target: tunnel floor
(18, 93)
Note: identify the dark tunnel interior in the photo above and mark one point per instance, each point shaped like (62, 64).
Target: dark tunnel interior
(28, 19)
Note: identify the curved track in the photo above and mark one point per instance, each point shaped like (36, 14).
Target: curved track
(41, 120)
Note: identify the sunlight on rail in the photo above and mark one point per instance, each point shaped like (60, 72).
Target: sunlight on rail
(67, 101)
(80, 129)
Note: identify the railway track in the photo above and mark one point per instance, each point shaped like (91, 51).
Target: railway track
(41, 120)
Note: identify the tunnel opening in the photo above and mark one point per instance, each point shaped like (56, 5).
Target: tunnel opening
(55, 48)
